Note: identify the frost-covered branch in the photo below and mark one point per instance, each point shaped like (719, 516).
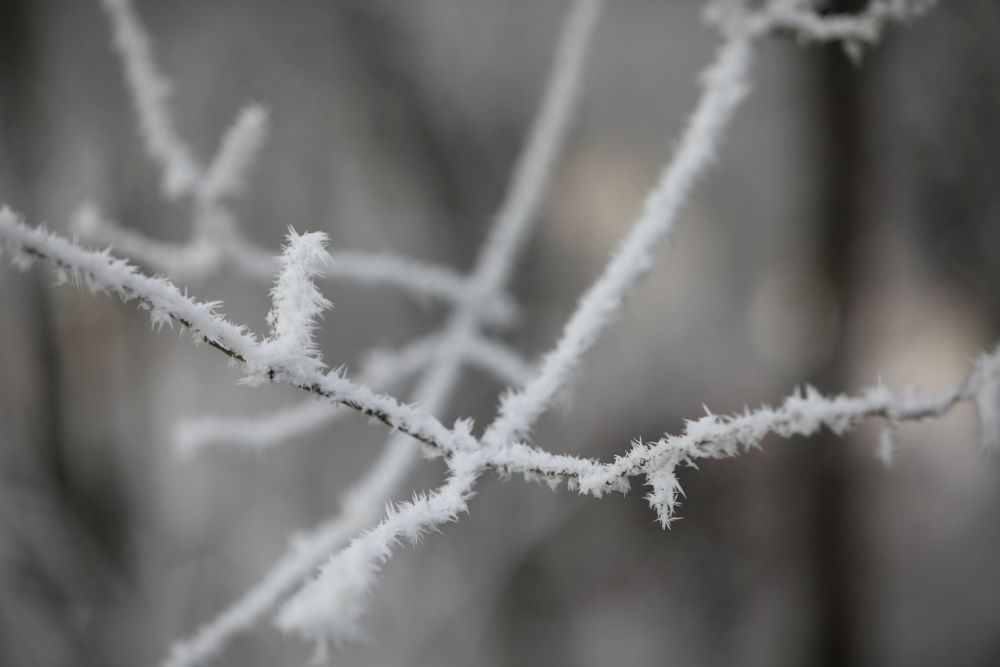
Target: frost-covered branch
(381, 370)
(803, 413)
(261, 361)
(297, 302)
(329, 609)
(362, 506)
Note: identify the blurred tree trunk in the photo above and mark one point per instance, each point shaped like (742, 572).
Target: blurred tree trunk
(50, 574)
(834, 543)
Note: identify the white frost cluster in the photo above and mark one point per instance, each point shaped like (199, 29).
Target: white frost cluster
(350, 549)
(297, 303)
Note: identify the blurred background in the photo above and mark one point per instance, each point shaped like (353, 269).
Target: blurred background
(848, 234)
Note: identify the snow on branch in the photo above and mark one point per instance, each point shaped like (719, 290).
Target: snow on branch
(803, 413)
(103, 273)
(381, 370)
(297, 302)
(328, 611)
(257, 432)
(362, 506)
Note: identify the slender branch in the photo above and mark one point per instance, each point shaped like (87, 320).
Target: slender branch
(362, 507)
(381, 370)
(165, 303)
(329, 608)
(240, 146)
(504, 363)
(801, 414)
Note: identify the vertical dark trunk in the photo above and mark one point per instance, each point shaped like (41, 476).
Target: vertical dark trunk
(833, 549)
(51, 573)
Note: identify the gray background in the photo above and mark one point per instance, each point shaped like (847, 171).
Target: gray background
(848, 233)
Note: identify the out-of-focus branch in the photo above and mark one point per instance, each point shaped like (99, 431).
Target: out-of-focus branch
(216, 239)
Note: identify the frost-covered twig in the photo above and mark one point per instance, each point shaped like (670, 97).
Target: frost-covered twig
(803, 413)
(381, 370)
(362, 505)
(262, 362)
(297, 302)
